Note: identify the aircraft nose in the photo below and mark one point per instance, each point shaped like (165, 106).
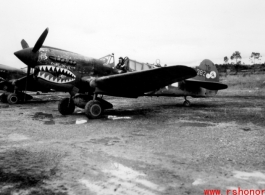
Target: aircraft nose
(27, 56)
(19, 54)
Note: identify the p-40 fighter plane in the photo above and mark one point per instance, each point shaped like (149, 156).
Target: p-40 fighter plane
(87, 78)
(13, 83)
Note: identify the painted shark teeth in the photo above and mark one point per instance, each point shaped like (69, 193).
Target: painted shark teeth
(53, 79)
(49, 77)
(56, 69)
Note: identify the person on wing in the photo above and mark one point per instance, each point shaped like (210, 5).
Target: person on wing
(121, 65)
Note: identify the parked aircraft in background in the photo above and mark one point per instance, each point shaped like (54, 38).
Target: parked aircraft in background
(13, 83)
(10, 73)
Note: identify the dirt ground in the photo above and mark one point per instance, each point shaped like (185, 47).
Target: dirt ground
(143, 146)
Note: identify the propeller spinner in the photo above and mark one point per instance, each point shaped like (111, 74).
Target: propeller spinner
(29, 55)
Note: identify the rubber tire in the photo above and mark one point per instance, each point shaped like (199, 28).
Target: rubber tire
(65, 108)
(186, 103)
(93, 109)
(12, 98)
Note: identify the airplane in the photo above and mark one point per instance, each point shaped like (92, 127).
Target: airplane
(88, 79)
(13, 84)
(9, 73)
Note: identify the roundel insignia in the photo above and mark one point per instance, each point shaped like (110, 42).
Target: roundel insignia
(211, 75)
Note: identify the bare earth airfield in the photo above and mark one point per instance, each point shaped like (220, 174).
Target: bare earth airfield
(147, 146)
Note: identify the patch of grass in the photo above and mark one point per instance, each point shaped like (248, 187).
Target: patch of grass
(252, 81)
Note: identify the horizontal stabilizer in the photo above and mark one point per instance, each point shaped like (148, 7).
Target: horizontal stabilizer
(134, 84)
(211, 85)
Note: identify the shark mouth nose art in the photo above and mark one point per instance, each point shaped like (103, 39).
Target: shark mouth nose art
(55, 74)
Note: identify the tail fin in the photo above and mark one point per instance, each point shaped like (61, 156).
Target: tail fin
(207, 76)
(207, 71)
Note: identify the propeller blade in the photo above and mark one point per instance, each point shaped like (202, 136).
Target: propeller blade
(40, 41)
(24, 44)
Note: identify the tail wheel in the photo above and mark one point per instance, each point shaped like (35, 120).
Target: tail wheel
(12, 98)
(93, 109)
(187, 103)
(66, 106)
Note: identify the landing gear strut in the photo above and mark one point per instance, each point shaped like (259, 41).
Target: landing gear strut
(93, 106)
(15, 97)
(186, 102)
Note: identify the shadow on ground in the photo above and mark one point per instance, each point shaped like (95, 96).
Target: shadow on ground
(22, 171)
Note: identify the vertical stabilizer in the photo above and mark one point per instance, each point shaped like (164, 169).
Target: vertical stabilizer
(207, 71)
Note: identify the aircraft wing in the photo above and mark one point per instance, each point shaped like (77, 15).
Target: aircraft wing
(207, 84)
(134, 84)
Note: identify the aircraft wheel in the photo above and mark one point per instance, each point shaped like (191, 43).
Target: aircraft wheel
(12, 98)
(186, 103)
(66, 106)
(93, 109)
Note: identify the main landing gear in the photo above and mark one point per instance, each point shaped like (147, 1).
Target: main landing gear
(12, 98)
(186, 103)
(93, 109)
(15, 98)
(93, 106)
(66, 106)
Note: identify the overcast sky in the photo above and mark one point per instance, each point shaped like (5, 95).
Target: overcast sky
(174, 31)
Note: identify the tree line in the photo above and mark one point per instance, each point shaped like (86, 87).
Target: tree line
(237, 57)
(236, 65)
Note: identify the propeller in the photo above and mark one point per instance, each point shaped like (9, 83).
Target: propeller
(29, 55)
(25, 54)
(24, 44)
(40, 41)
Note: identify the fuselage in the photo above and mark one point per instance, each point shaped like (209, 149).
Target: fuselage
(62, 70)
